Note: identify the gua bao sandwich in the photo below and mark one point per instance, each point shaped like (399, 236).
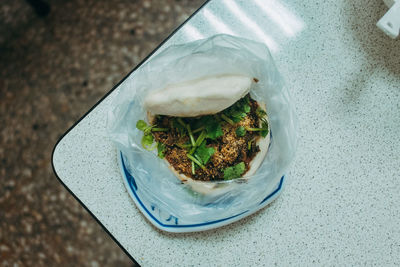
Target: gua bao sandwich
(207, 130)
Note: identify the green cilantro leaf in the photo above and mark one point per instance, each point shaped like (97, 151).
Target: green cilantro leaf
(214, 131)
(213, 127)
(161, 150)
(239, 110)
(234, 171)
(147, 141)
(195, 160)
(264, 126)
(247, 99)
(201, 138)
(240, 131)
(147, 130)
(236, 119)
(193, 168)
(260, 112)
(200, 122)
(229, 173)
(180, 128)
(238, 115)
(249, 144)
(141, 125)
(204, 153)
(246, 108)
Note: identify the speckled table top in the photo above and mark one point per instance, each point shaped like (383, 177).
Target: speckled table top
(52, 70)
(340, 203)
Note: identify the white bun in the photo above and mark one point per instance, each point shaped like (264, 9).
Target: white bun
(208, 95)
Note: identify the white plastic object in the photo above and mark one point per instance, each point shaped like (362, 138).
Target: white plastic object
(390, 22)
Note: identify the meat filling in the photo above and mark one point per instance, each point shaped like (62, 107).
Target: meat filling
(229, 149)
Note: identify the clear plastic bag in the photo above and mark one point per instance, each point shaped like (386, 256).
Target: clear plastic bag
(220, 54)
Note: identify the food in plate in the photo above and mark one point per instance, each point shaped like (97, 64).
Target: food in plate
(207, 130)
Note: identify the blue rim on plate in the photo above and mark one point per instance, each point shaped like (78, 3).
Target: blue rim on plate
(171, 223)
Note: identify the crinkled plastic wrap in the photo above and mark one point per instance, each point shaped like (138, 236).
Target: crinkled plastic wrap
(220, 54)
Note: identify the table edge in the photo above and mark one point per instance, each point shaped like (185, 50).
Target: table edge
(93, 107)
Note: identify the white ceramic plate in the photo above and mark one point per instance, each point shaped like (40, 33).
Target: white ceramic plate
(168, 222)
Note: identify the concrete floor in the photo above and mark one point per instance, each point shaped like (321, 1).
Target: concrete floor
(52, 70)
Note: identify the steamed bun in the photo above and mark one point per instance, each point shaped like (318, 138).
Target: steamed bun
(208, 95)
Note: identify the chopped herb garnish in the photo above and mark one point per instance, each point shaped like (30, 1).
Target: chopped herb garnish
(201, 137)
(147, 141)
(199, 129)
(253, 129)
(235, 171)
(246, 108)
(249, 144)
(141, 125)
(237, 111)
(161, 150)
(197, 157)
(238, 115)
(225, 118)
(260, 112)
(192, 150)
(204, 153)
(181, 122)
(247, 99)
(213, 128)
(263, 130)
(240, 131)
(190, 134)
(195, 161)
(155, 129)
(264, 126)
(193, 168)
(198, 123)
(184, 146)
(180, 129)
